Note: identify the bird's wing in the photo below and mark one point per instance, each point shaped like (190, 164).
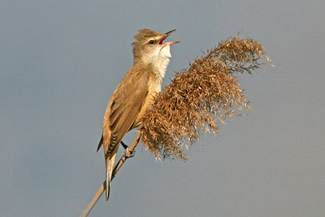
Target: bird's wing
(124, 108)
(121, 113)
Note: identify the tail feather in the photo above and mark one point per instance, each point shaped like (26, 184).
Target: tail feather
(108, 186)
(109, 171)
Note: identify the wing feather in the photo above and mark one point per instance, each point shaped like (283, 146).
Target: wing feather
(124, 107)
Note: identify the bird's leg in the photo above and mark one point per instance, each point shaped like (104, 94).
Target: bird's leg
(128, 153)
(125, 146)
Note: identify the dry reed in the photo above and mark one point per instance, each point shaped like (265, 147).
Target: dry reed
(200, 97)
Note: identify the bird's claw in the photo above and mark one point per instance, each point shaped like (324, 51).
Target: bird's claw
(129, 153)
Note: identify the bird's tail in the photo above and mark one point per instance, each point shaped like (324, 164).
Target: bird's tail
(109, 171)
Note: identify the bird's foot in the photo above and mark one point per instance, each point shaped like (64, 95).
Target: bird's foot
(128, 153)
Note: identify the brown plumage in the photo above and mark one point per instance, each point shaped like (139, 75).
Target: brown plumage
(134, 95)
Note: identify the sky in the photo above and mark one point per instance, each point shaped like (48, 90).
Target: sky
(60, 61)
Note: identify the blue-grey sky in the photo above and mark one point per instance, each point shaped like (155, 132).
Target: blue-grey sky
(60, 61)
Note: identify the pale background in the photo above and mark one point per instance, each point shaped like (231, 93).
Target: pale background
(60, 61)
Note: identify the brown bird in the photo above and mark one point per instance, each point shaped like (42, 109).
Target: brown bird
(135, 93)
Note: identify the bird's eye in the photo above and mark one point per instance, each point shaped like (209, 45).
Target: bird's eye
(151, 41)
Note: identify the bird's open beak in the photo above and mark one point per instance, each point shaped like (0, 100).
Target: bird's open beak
(161, 42)
(170, 32)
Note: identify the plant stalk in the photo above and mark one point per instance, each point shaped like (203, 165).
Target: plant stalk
(102, 188)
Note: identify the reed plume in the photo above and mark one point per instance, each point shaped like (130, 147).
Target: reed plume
(200, 97)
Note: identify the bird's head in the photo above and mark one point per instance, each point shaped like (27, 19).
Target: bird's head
(149, 46)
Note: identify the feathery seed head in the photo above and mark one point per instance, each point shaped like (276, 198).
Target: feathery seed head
(200, 97)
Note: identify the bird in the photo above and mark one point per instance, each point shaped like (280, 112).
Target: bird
(135, 93)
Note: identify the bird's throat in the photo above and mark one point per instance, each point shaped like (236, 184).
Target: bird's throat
(160, 61)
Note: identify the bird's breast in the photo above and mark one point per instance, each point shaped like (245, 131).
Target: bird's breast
(154, 87)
